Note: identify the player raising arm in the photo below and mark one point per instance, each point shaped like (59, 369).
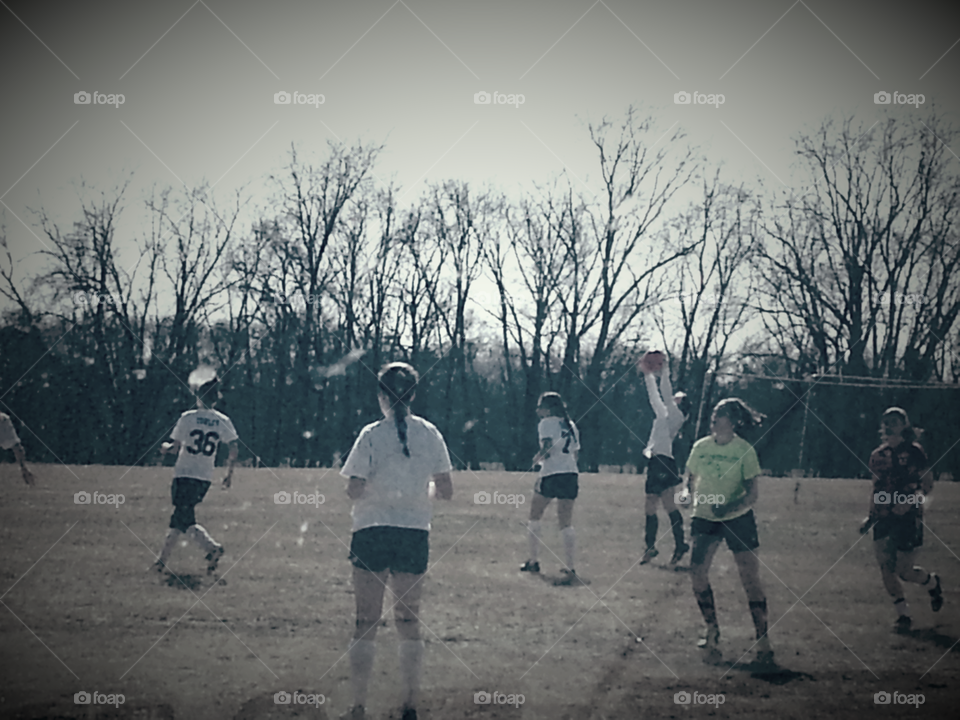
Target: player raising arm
(10, 441)
(901, 482)
(390, 467)
(724, 468)
(195, 438)
(662, 475)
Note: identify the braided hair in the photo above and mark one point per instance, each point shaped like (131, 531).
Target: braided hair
(740, 415)
(554, 403)
(397, 382)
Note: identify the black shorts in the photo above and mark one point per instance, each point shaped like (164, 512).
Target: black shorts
(562, 486)
(904, 531)
(186, 494)
(740, 534)
(383, 547)
(661, 474)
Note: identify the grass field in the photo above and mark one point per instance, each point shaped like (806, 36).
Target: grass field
(82, 614)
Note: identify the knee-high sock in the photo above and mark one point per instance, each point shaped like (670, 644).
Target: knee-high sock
(171, 541)
(361, 667)
(758, 611)
(676, 524)
(707, 608)
(650, 536)
(569, 544)
(533, 535)
(411, 665)
(200, 535)
(900, 605)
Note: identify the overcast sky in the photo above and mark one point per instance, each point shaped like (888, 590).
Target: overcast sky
(199, 82)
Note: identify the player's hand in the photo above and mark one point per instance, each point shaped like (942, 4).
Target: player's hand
(28, 477)
(866, 525)
(166, 447)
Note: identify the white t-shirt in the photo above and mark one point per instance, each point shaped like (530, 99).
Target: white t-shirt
(395, 492)
(200, 433)
(563, 448)
(8, 436)
(668, 420)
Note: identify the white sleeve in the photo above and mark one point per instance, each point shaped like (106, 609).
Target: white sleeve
(360, 460)
(442, 456)
(8, 435)
(672, 410)
(654, 392)
(179, 431)
(228, 433)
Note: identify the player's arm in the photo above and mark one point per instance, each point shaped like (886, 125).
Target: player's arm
(231, 459)
(355, 487)
(21, 457)
(871, 519)
(926, 481)
(443, 485)
(653, 392)
(545, 445)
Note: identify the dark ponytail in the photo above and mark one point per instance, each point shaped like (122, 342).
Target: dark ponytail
(398, 383)
(555, 404)
(740, 415)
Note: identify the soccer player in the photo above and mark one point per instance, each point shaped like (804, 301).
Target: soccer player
(196, 438)
(724, 468)
(559, 445)
(390, 467)
(901, 481)
(10, 441)
(662, 475)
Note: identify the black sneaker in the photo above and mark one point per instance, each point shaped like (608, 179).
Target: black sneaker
(903, 623)
(648, 555)
(530, 566)
(936, 595)
(569, 577)
(679, 553)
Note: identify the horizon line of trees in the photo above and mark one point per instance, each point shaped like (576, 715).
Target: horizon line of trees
(498, 300)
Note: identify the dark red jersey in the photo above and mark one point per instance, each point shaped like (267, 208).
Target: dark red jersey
(897, 473)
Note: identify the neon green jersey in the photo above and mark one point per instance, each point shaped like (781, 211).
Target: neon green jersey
(720, 473)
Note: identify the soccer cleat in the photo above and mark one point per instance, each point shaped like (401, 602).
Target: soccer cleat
(648, 555)
(764, 651)
(936, 595)
(409, 714)
(530, 566)
(679, 553)
(157, 567)
(212, 559)
(903, 623)
(711, 643)
(569, 577)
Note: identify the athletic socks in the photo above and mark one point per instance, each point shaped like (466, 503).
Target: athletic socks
(569, 544)
(198, 534)
(901, 607)
(411, 665)
(676, 524)
(361, 667)
(707, 608)
(533, 535)
(650, 535)
(168, 545)
(758, 611)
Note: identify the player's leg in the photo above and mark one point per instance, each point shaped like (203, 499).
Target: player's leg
(705, 544)
(748, 564)
(567, 531)
(537, 508)
(368, 590)
(909, 571)
(407, 589)
(676, 524)
(885, 550)
(651, 525)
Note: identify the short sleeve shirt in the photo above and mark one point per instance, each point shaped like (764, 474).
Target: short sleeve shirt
(564, 444)
(897, 471)
(200, 433)
(8, 436)
(721, 470)
(396, 489)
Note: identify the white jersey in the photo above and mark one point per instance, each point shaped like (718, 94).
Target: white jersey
(668, 420)
(8, 436)
(564, 446)
(200, 433)
(395, 492)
